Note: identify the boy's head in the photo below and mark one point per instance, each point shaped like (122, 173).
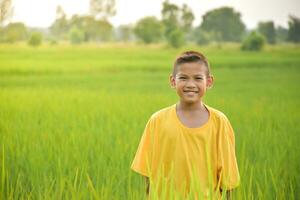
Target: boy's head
(191, 76)
(189, 57)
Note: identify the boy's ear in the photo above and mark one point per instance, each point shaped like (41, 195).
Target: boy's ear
(209, 81)
(172, 81)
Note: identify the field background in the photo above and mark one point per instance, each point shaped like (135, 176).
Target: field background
(71, 117)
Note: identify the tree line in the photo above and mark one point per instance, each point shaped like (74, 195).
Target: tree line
(175, 27)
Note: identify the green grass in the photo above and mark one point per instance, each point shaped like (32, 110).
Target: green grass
(71, 117)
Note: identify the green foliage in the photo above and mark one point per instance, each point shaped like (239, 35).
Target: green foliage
(94, 30)
(35, 39)
(170, 17)
(53, 41)
(60, 26)
(76, 36)
(253, 42)
(125, 32)
(149, 29)
(224, 21)
(281, 34)
(177, 23)
(202, 37)
(267, 29)
(103, 32)
(187, 18)
(1, 34)
(176, 38)
(64, 134)
(14, 32)
(294, 29)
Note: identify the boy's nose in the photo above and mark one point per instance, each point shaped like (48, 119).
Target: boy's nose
(190, 84)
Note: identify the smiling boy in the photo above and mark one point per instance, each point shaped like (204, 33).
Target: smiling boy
(188, 148)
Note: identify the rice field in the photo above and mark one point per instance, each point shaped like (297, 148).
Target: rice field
(71, 117)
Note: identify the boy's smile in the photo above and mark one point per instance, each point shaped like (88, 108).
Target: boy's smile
(191, 82)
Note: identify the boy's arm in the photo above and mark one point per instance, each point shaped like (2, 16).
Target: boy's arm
(147, 185)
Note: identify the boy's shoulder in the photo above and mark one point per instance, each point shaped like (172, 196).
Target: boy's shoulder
(162, 113)
(166, 112)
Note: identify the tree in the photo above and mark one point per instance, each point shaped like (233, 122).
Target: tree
(102, 9)
(60, 26)
(125, 32)
(15, 32)
(267, 29)
(202, 37)
(281, 34)
(224, 21)
(94, 30)
(5, 10)
(149, 29)
(187, 18)
(176, 38)
(176, 20)
(294, 29)
(104, 30)
(2, 37)
(35, 39)
(170, 17)
(60, 13)
(76, 35)
(253, 42)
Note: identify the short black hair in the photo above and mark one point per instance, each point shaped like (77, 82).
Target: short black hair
(189, 57)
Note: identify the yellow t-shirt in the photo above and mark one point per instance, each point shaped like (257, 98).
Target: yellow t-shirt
(189, 161)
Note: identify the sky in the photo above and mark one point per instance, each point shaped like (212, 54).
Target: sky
(41, 13)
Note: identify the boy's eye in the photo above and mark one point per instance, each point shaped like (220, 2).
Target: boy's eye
(182, 78)
(199, 78)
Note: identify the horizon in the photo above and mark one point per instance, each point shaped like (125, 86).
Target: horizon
(44, 13)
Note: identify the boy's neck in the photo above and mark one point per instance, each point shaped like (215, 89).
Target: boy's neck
(190, 107)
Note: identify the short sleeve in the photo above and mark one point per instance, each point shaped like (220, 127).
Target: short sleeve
(142, 159)
(228, 173)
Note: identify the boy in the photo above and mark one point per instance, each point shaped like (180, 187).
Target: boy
(188, 149)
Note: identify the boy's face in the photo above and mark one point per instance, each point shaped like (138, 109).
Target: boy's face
(191, 82)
